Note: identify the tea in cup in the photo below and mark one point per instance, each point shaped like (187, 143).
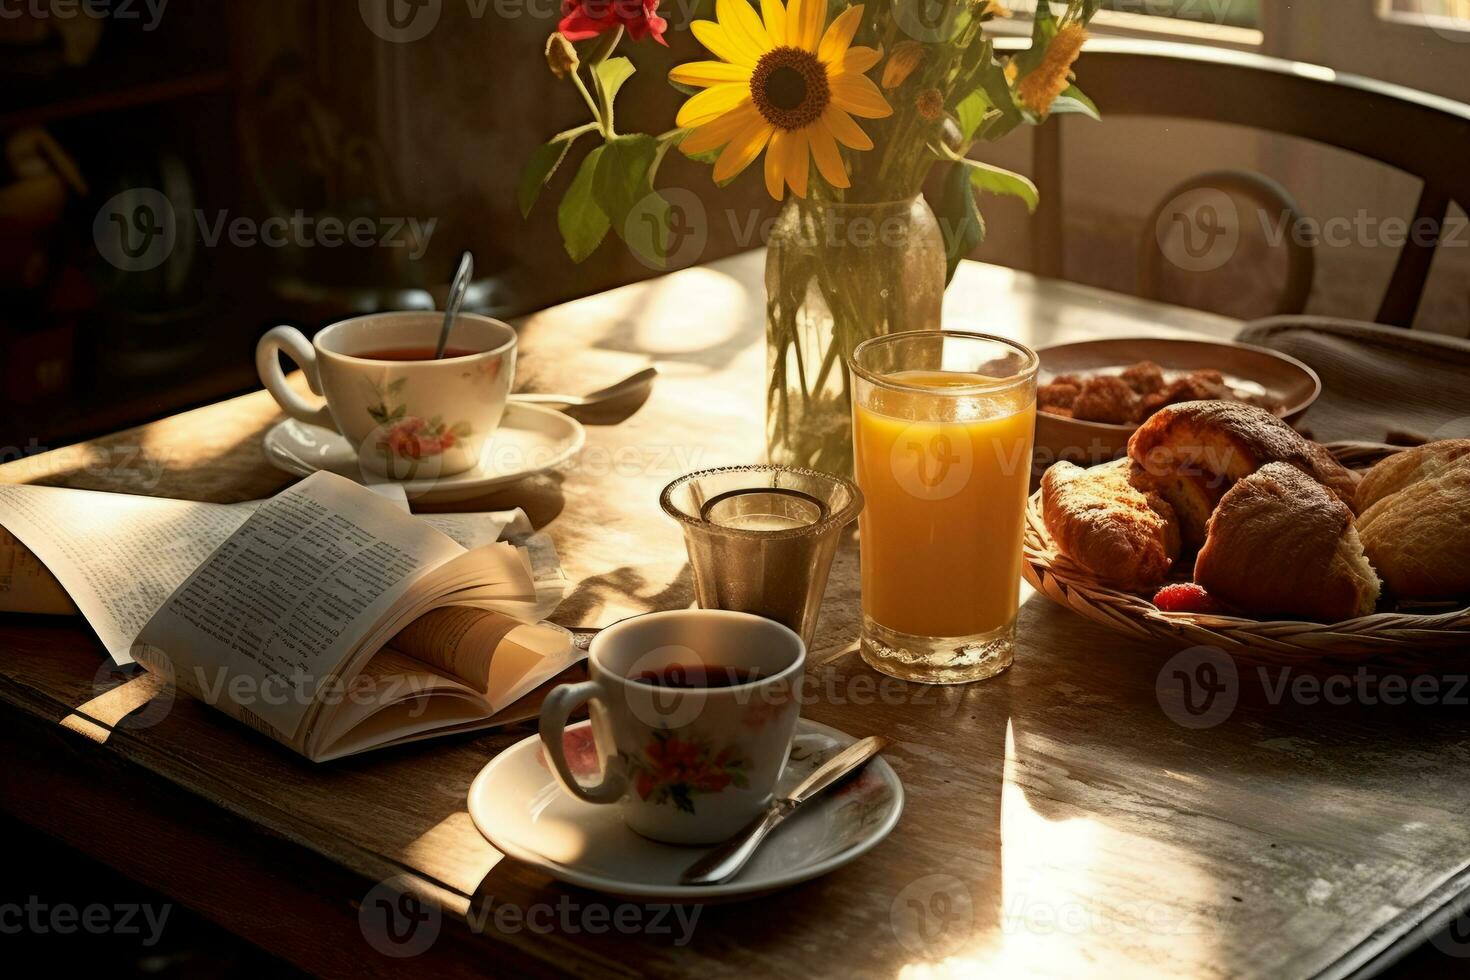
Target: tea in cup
(693, 714)
(408, 415)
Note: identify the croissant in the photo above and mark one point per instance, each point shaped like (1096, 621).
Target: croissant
(1214, 444)
(1416, 520)
(1125, 537)
(1281, 544)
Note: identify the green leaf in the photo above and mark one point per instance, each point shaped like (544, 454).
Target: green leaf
(539, 169)
(998, 180)
(960, 219)
(1073, 101)
(622, 176)
(970, 113)
(1043, 29)
(582, 221)
(612, 73)
(998, 90)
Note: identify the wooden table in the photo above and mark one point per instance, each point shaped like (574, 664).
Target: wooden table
(1058, 820)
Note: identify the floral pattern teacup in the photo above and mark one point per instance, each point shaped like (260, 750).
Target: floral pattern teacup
(407, 419)
(687, 765)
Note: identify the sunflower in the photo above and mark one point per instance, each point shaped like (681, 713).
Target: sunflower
(788, 86)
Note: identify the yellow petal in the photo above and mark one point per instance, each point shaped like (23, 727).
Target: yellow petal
(711, 104)
(856, 61)
(804, 22)
(722, 44)
(716, 134)
(775, 175)
(859, 96)
(797, 164)
(839, 36)
(828, 157)
(741, 152)
(775, 18)
(848, 132)
(707, 73)
(739, 20)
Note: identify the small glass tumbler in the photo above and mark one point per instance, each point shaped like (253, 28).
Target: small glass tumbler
(761, 538)
(943, 426)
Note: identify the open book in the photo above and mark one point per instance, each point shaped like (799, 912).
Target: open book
(328, 617)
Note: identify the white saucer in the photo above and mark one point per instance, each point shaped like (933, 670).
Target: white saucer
(521, 810)
(530, 440)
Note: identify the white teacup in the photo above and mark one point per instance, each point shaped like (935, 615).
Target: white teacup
(407, 419)
(688, 765)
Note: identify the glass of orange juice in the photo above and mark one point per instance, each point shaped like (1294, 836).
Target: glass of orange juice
(943, 424)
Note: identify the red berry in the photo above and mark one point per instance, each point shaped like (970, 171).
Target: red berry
(1185, 598)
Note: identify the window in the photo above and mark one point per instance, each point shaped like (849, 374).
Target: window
(1225, 13)
(1438, 14)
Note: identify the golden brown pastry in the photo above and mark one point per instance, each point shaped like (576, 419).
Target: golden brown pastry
(1416, 521)
(1281, 544)
(1222, 442)
(1192, 497)
(1125, 537)
(1396, 472)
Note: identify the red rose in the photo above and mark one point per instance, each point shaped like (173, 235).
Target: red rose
(586, 19)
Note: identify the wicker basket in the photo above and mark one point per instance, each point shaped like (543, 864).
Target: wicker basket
(1396, 639)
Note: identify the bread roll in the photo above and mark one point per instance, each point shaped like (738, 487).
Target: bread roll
(1281, 545)
(1416, 521)
(1222, 442)
(1125, 537)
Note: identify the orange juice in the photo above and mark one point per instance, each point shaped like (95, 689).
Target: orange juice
(946, 477)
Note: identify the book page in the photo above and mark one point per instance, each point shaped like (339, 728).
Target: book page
(279, 608)
(489, 651)
(117, 555)
(25, 584)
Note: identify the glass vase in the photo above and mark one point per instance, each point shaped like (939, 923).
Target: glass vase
(837, 275)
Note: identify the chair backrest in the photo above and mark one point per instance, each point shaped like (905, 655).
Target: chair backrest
(1423, 135)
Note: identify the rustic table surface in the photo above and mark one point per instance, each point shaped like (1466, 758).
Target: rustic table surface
(1059, 819)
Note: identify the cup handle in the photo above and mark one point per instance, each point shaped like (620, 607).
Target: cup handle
(268, 365)
(555, 710)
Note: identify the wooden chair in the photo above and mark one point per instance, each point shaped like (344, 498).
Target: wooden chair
(1423, 135)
